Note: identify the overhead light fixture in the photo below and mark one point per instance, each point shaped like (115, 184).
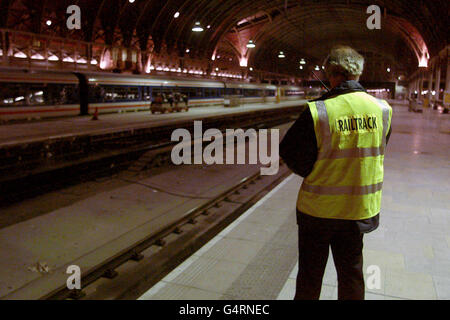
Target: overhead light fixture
(197, 27)
(37, 56)
(176, 15)
(281, 55)
(187, 50)
(302, 61)
(251, 69)
(53, 58)
(301, 67)
(131, 1)
(388, 69)
(49, 22)
(317, 68)
(251, 44)
(208, 26)
(20, 54)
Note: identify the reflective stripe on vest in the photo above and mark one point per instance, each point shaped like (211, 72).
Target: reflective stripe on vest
(350, 190)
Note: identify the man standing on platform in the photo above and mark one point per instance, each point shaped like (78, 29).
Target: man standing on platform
(337, 144)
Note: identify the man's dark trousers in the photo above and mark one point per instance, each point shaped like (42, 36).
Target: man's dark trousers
(316, 235)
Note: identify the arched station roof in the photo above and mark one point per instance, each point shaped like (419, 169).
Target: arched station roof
(411, 30)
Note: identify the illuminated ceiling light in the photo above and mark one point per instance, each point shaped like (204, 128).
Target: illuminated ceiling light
(301, 67)
(131, 1)
(433, 93)
(251, 69)
(217, 69)
(49, 22)
(317, 68)
(20, 54)
(68, 59)
(302, 61)
(187, 50)
(82, 60)
(281, 55)
(53, 58)
(197, 27)
(423, 62)
(176, 15)
(323, 67)
(208, 26)
(251, 44)
(388, 69)
(94, 62)
(37, 56)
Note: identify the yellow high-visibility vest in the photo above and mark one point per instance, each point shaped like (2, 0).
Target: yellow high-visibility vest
(346, 180)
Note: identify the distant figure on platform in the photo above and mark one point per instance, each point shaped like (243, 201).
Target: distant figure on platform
(185, 99)
(337, 144)
(170, 99)
(177, 99)
(158, 99)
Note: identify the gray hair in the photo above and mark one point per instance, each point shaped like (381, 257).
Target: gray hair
(345, 61)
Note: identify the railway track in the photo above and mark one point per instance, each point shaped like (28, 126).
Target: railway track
(133, 271)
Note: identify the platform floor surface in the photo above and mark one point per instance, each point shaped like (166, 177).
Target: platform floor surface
(256, 256)
(14, 133)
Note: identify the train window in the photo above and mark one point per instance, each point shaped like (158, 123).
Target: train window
(37, 94)
(210, 92)
(121, 93)
(133, 93)
(116, 93)
(251, 93)
(146, 93)
(96, 94)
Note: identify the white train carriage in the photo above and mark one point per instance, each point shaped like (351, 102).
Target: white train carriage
(42, 94)
(109, 92)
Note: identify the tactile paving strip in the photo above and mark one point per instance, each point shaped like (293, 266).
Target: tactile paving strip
(267, 272)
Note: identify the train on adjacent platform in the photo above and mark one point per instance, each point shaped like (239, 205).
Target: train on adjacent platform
(45, 94)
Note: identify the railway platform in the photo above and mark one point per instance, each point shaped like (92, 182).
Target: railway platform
(64, 127)
(255, 258)
(51, 147)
